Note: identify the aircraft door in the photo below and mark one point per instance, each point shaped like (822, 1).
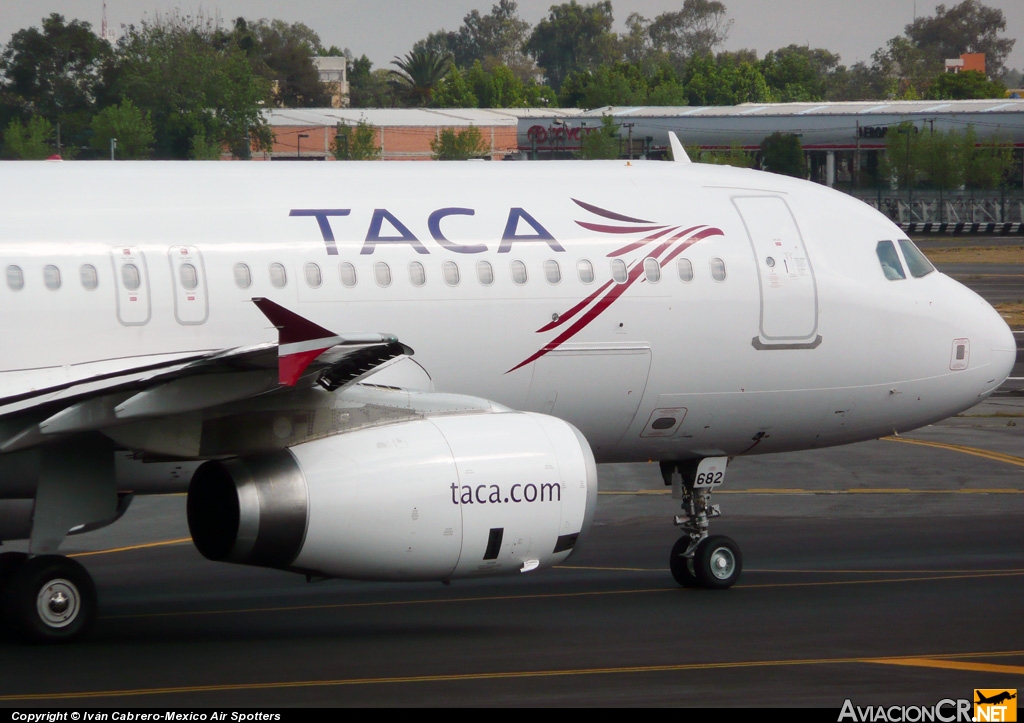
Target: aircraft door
(789, 293)
(191, 305)
(132, 282)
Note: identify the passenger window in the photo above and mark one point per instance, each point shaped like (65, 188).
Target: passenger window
(485, 273)
(417, 274)
(917, 263)
(382, 274)
(519, 275)
(188, 276)
(130, 277)
(652, 270)
(552, 272)
(619, 274)
(278, 276)
(890, 261)
(90, 279)
(243, 277)
(585, 269)
(450, 271)
(717, 269)
(348, 274)
(15, 278)
(313, 276)
(51, 277)
(685, 270)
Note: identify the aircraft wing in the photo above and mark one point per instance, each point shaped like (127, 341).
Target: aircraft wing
(304, 356)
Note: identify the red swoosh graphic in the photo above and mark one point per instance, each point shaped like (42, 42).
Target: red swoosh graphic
(605, 213)
(599, 301)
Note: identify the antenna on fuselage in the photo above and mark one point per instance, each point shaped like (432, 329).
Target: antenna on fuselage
(678, 152)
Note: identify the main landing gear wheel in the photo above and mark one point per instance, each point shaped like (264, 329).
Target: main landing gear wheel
(49, 599)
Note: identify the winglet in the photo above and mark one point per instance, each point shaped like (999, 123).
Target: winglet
(678, 152)
(299, 340)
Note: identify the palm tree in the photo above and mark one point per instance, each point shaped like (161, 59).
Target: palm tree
(419, 73)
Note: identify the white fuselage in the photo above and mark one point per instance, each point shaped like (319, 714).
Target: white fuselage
(789, 334)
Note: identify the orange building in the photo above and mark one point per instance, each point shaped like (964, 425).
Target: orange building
(403, 134)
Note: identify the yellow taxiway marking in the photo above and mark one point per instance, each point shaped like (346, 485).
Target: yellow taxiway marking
(128, 548)
(509, 675)
(994, 456)
(955, 665)
(926, 576)
(848, 491)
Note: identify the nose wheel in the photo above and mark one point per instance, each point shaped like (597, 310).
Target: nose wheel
(698, 559)
(48, 599)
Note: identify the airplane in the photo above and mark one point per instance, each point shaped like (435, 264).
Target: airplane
(995, 699)
(410, 371)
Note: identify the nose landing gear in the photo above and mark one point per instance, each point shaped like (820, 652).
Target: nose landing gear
(698, 559)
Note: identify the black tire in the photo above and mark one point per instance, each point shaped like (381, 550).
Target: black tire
(49, 599)
(717, 562)
(682, 567)
(9, 562)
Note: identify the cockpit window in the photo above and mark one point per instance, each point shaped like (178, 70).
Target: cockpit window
(917, 263)
(890, 261)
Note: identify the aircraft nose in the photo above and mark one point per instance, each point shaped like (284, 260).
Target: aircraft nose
(998, 338)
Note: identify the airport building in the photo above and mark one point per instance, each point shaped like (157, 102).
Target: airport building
(837, 137)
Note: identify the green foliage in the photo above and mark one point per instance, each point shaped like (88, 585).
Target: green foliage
(283, 55)
(988, 165)
(356, 143)
(945, 161)
(370, 88)
(695, 30)
(963, 86)
(419, 73)
(572, 38)
(724, 81)
(455, 91)
(129, 125)
(601, 143)
(452, 145)
(782, 153)
(733, 156)
(969, 27)
(29, 141)
(798, 73)
(56, 73)
(200, 92)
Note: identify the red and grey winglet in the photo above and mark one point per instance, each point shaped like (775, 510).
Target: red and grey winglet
(301, 342)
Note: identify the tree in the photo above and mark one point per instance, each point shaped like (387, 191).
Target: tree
(782, 153)
(200, 92)
(452, 145)
(964, 86)
(419, 74)
(129, 125)
(356, 143)
(723, 81)
(29, 141)
(573, 37)
(601, 143)
(986, 165)
(697, 29)
(798, 72)
(735, 156)
(283, 54)
(969, 27)
(56, 73)
(368, 88)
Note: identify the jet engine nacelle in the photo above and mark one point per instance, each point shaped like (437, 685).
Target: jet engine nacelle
(431, 499)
